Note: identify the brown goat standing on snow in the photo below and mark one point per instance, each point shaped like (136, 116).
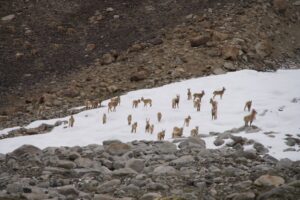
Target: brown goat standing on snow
(189, 94)
(129, 119)
(214, 109)
(250, 118)
(146, 101)
(219, 92)
(133, 127)
(159, 116)
(175, 102)
(161, 135)
(177, 132)
(248, 105)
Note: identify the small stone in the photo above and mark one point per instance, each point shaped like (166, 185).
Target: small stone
(107, 59)
(109, 9)
(90, 47)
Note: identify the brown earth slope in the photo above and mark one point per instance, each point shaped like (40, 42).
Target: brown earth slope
(69, 52)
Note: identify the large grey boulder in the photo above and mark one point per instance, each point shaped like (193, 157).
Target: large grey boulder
(166, 148)
(164, 170)
(109, 186)
(135, 164)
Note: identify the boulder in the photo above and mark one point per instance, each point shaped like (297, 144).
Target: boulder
(284, 163)
(139, 75)
(124, 172)
(109, 186)
(118, 148)
(183, 161)
(68, 190)
(166, 147)
(135, 164)
(8, 18)
(219, 36)
(84, 162)
(14, 188)
(26, 149)
(230, 52)
(268, 180)
(107, 59)
(192, 142)
(150, 196)
(218, 142)
(263, 48)
(280, 5)
(66, 164)
(199, 40)
(164, 170)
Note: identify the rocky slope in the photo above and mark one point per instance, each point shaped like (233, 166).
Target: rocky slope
(146, 170)
(181, 39)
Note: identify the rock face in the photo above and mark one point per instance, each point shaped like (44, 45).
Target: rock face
(145, 170)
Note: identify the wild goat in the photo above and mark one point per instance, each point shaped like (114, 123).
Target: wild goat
(133, 127)
(199, 95)
(88, 104)
(147, 127)
(250, 118)
(116, 99)
(161, 135)
(159, 116)
(146, 101)
(248, 105)
(175, 102)
(187, 121)
(71, 121)
(135, 103)
(197, 104)
(194, 132)
(219, 92)
(129, 119)
(189, 94)
(177, 132)
(151, 129)
(104, 119)
(92, 104)
(214, 109)
(112, 106)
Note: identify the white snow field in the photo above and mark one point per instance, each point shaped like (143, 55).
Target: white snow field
(271, 92)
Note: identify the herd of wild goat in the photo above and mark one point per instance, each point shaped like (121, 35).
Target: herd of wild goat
(177, 132)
